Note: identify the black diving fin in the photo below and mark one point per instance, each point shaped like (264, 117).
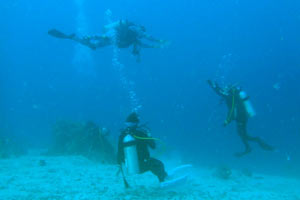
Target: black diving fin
(59, 34)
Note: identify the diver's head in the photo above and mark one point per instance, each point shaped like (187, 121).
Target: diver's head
(132, 120)
(126, 22)
(232, 88)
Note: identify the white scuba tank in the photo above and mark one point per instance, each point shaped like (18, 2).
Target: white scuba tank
(131, 156)
(113, 25)
(247, 104)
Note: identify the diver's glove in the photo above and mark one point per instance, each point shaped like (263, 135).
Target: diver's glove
(226, 122)
(211, 83)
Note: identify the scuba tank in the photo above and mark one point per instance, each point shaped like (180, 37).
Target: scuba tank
(131, 156)
(247, 104)
(116, 24)
(112, 25)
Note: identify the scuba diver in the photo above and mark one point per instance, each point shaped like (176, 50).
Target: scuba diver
(122, 33)
(133, 150)
(240, 109)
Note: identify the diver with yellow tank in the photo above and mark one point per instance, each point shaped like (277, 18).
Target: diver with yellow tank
(240, 110)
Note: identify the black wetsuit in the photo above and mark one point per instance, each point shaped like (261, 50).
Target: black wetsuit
(146, 163)
(126, 35)
(238, 112)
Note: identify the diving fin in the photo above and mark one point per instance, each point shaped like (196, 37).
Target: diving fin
(163, 44)
(58, 34)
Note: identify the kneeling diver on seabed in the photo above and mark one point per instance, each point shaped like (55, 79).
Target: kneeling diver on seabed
(134, 153)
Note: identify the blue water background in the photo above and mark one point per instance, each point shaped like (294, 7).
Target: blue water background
(253, 43)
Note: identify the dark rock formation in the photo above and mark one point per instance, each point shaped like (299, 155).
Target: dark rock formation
(86, 139)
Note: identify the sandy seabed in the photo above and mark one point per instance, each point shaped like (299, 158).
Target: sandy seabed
(76, 178)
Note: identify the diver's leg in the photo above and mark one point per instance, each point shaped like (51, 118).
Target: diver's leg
(157, 168)
(261, 143)
(242, 132)
(92, 42)
(86, 41)
(101, 41)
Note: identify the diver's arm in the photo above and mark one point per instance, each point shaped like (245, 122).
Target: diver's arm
(148, 140)
(136, 52)
(216, 88)
(140, 44)
(157, 43)
(151, 38)
(144, 45)
(151, 144)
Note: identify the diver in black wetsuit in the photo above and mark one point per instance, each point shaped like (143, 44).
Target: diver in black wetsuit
(146, 163)
(125, 32)
(238, 112)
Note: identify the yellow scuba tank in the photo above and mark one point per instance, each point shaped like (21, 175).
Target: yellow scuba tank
(130, 154)
(247, 104)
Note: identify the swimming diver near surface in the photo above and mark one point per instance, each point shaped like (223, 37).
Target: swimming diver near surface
(133, 150)
(240, 110)
(125, 32)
